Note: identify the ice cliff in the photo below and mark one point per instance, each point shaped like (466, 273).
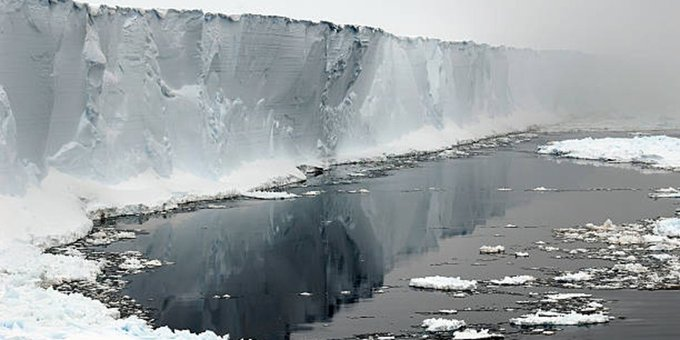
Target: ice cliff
(109, 93)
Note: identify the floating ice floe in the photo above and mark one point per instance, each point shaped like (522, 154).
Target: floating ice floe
(549, 318)
(491, 249)
(521, 254)
(654, 151)
(548, 248)
(447, 311)
(358, 191)
(542, 189)
(311, 193)
(443, 283)
(669, 192)
(631, 267)
(644, 254)
(669, 227)
(107, 236)
(269, 195)
(504, 189)
(134, 264)
(472, 334)
(442, 325)
(514, 280)
(574, 277)
(565, 296)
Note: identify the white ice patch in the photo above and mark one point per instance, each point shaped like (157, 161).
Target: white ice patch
(656, 151)
(269, 195)
(443, 283)
(514, 280)
(574, 277)
(491, 249)
(472, 334)
(442, 325)
(542, 189)
(565, 296)
(669, 192)
(548, 318)
(669, 227)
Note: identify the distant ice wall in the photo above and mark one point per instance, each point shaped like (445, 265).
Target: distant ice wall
(108, 93)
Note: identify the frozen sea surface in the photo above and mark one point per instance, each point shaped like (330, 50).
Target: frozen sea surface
(337, 264)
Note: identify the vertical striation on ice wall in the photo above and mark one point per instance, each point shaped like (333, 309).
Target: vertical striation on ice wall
(108, 93)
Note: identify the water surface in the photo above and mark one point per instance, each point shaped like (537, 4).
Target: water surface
(355, 252)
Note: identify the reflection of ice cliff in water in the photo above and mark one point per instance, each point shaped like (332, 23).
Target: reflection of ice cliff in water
(263, 254)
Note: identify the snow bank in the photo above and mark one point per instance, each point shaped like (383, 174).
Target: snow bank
(661, 152)
(547, 318)
(442, 325)
(443, 283)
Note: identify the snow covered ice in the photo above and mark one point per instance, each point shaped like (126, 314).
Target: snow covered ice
(669, 227)
(549, 318)
(471, 334)
(442, 325)
(443, 283)
(654, 151)
(514, 280)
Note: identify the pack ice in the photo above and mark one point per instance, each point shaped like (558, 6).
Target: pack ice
(107, 111)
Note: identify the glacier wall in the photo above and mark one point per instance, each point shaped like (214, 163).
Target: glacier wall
(109, 93)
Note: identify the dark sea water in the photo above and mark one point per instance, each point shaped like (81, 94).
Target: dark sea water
(354, 253)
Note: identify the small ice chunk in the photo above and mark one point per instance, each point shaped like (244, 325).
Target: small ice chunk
(565, 296)
(131, 263)
(542, 189)
(504, 189)
(472, 334)
(662, 257)
(521, 254)
(491, 249)
(305, 294)
(669, 227)
(546, 318)
(269, 195)
(311, 193)
(442, 325)
(574, 277)
(514, 280)
(631, 267)
(443, 283)
(447, 311)
(153, 263)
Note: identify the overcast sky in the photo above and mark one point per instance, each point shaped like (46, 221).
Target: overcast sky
(632, 27)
